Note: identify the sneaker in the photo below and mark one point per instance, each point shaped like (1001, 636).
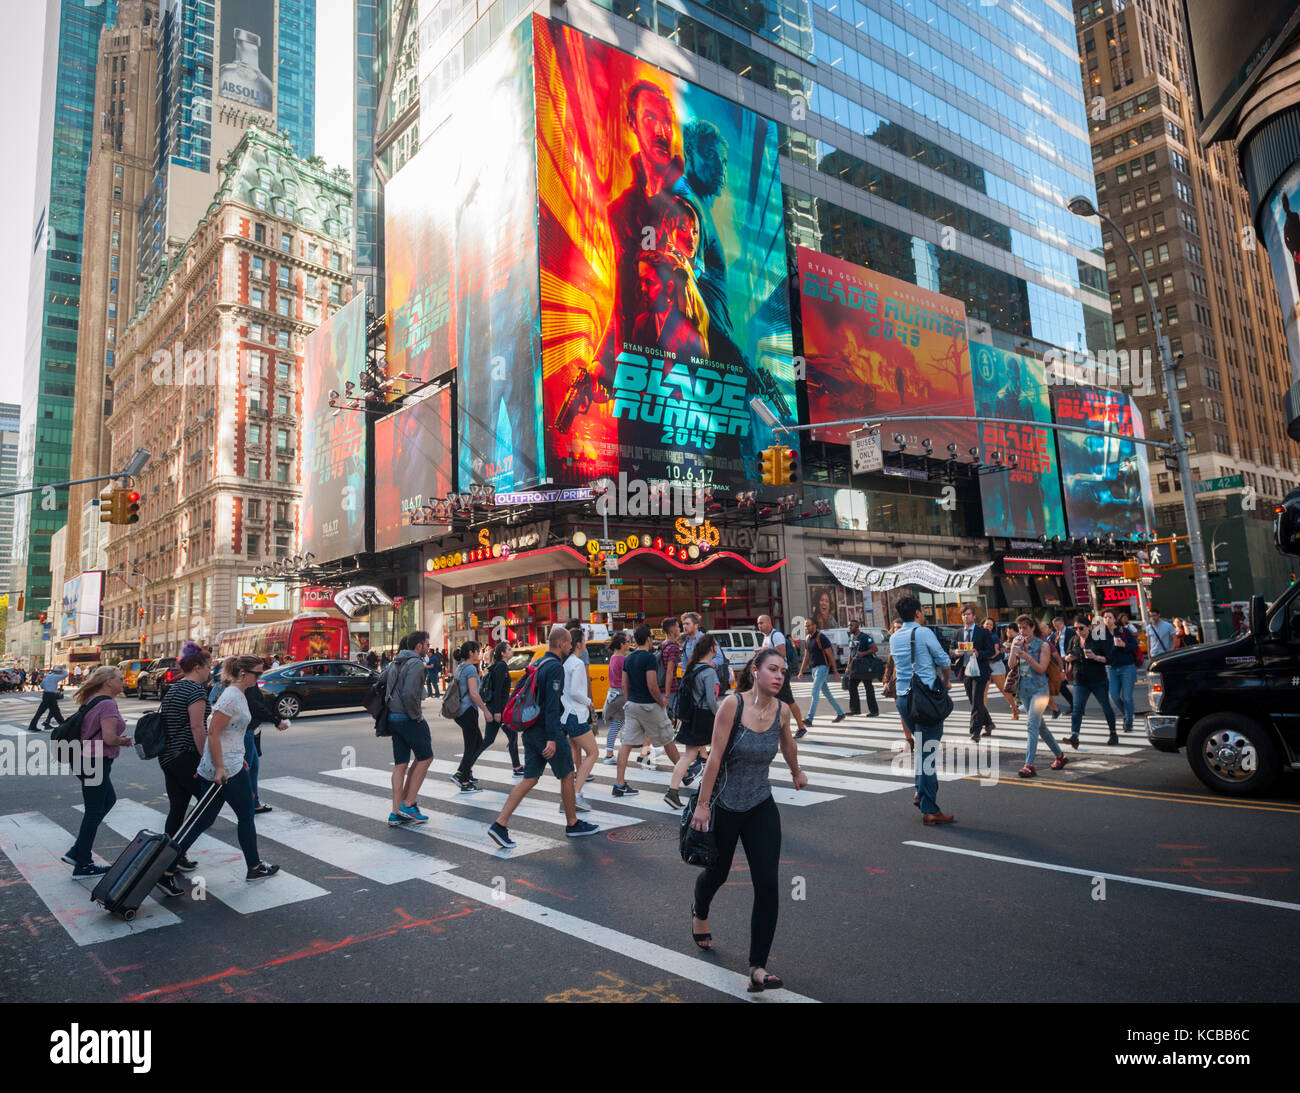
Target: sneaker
(186, 865)
(579, 829)
(414, 815)
(501, 837)
(837, 720)
(580, 803)
(69, 859)
(460, 781)
(168, 884)
(807, 721)
(800, 734)
(260, 870)
(91, 870)
(590, 778)
(395, 819)
(473, 784)
(517, 772)
(673, 800)
(622, 789)
(1059, 762)
(693, 771)
(610, 760)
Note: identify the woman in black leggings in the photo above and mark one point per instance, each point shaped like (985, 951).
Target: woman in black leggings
(749, 728)
(185, 712)
(496, 693)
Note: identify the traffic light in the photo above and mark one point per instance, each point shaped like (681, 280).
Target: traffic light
(42, 618)
(596, 564)
(128, 506)
(108, 507)
(788, 466)
(140, 612)
(769, 463)
(1132, 571)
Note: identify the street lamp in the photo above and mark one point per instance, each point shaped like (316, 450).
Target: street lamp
(1081, 206)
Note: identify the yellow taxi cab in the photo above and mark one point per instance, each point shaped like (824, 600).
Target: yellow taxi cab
(131, 670)
(597, 673)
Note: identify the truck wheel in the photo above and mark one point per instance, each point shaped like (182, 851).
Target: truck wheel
(1233, 754)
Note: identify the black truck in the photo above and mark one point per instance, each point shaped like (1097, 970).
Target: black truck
(1235, 705)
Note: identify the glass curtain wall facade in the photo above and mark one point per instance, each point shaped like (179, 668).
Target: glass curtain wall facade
(366, 199)
(295, 110)
(49, 374)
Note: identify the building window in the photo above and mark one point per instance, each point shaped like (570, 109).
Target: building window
(282, 512)
(257, 297)
(282, 440)
(283, 372)
(282, 546)
(255, 468)
(282, 305)
(336, 293)
(282, 472)
(255, 331)
(259, 234)
(1171, 315)
(1120, 331)
(258, 269)
(257, 365)
(1138, 294)
(282, 278)
(286, 242)
(282, 405)
(255, 435)
(254, 545)
(282, 339)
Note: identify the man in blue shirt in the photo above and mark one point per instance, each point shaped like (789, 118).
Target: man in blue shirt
(930, 658)
(546, 742)
(49, 698)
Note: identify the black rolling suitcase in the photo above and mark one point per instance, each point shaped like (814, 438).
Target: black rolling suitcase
(141, 865)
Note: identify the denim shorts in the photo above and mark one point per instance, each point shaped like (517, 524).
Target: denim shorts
(409, 736)
(561, 763)
(574, 728)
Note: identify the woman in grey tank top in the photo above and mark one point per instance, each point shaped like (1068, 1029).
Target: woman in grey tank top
(736, 799)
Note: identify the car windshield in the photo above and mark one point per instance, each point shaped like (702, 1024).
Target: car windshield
(520, 660)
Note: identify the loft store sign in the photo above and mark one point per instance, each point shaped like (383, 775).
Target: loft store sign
(351, 600)
(864, 578)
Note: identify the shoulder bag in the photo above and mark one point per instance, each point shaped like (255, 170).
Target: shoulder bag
(928, 703)
(700, 848)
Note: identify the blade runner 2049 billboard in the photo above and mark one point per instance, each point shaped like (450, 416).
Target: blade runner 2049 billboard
(1023, 501)
(665, 306)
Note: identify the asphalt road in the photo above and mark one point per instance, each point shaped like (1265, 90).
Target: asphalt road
(1117, 879)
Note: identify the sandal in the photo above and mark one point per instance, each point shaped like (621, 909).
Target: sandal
(700, 939)
(1027, 771)
(770, 983)
(1059, 762)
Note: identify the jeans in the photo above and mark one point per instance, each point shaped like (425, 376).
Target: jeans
(855, 703)
(472, 739)
(50, 702)
(1083, 690)
(182, 786)
(1036, 705)
(238, 794)
(819, 688)
(431, 684)
(927, 758)
(253, 760)
(979, 710)
(760, 830)
(99, 801)
(1122, 678)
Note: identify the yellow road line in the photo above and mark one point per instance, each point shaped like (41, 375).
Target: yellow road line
(1150, 795)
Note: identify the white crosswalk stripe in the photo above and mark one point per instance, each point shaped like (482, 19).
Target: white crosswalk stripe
(35, 844)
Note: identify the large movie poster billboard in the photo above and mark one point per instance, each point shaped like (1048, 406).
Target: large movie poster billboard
(461, 266)
(1106, 479)
(877, 345)
(334, 442)
(413, 465)
(665, 306)
(1023, 501)
(1280, 218)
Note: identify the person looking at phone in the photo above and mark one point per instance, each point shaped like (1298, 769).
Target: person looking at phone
(1087, 654)
(1121, 646)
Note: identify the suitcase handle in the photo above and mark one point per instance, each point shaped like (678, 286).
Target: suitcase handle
(204, 803)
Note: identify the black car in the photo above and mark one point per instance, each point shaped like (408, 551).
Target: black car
(155, 679)
(316, 685)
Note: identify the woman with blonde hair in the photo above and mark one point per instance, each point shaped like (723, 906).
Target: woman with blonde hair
(103, 733)
(224, 752)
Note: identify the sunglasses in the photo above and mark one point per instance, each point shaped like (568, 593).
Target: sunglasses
(1080, 626)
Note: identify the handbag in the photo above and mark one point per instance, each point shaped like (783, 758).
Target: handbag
(700, 848)
(928, 703)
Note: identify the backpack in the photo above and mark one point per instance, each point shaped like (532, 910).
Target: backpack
(453, 704)
(70, 730)
(661, 670)
(150, 735)
(681, 706)
(523, 708)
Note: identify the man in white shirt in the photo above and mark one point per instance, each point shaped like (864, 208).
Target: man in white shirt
(576, 707)
(775, 639)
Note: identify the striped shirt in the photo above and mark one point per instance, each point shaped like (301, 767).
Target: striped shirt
(176, 718)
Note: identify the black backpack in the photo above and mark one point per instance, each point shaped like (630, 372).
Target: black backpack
(681, 706)
(71, 728)
(150, 735)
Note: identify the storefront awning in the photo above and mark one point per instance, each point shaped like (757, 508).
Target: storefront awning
(530, 563)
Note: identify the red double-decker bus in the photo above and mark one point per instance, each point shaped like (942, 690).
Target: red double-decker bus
(304, 637)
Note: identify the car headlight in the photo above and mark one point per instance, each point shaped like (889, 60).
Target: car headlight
(1155, 690)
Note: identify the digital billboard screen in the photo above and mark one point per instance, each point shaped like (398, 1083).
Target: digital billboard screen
(247, 55)
(1106, 479)
(665, 299)
(461, 266)
(413, 467)
(1023, 501)
(81, 604)
(334, 441)
(1280, 220)
(877, 345)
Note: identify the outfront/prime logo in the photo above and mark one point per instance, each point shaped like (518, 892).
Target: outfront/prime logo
(115, 1047)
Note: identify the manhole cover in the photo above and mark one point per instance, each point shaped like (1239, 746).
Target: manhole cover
(644, 833)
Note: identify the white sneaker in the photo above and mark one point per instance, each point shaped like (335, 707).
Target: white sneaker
(580, 803)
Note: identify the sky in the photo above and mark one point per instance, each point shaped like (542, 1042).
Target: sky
(20, 82)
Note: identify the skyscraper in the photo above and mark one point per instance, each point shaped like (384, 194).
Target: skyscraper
(68, 125)
(9, 422)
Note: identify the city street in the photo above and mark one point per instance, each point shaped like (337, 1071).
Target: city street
(1118, 879)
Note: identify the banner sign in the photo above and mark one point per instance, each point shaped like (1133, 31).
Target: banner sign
(665, 305)
(924, 574)
(1024, 500)
(352, 600)
(867, 456)
(545, 497)
(877, 345)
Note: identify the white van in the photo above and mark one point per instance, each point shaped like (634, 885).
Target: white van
(739, 646)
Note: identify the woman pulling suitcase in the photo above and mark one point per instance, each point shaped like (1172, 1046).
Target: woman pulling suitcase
(223, 764)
